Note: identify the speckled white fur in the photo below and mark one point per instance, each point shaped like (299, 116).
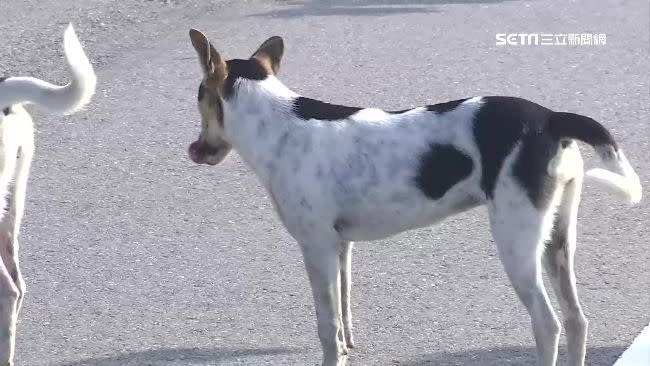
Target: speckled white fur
(328, 191)
(334, 182)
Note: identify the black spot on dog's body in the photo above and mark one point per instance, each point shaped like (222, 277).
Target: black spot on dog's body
(441, 167)
(499, 124)
(250, 69)
(3, 78)
(340, 224)
(7, 203)
(201, 92)
(281, 145)
(7, 111)
(444, 107)
(541, 142)
(531, 168)
(307, 108)
(502, 122)
(306, 205)
(307, 144)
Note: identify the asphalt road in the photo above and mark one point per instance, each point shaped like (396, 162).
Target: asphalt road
(135, 256)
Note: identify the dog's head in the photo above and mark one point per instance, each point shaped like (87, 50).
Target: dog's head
(216, 88)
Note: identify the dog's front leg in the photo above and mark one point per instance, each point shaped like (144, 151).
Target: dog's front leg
(321, 255)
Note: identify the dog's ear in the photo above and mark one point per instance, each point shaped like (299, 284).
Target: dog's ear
(270, 53)
(211, 62)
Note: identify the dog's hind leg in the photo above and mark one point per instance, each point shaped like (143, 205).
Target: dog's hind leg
(9, 248)
(8, 317)
(14, 216)
(558, 261)
(346, 287)
(9, 295)
(321, 256)
(9, 292)
(519, 229)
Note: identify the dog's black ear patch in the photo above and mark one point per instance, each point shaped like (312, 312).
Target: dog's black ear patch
(307, 109)
(441, 167)
(445, 107)
(498, 125)
(7, 111)
(250, 69)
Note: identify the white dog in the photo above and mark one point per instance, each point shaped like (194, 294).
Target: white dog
(16, 150)
(340, 174)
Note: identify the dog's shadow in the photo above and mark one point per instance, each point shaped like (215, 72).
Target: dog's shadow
(301, 8)
(507, 356)
(181, 356)
(511, 356)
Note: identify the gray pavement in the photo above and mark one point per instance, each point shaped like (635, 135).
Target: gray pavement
(135, 256)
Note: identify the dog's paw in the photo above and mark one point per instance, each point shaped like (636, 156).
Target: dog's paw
(343, 360)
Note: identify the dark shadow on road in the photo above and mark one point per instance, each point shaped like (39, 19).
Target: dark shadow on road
(362, 7)
(184, 356)
(511, 356)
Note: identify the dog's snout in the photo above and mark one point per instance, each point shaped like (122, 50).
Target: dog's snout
(194, 152)
(202, 153)
(194, 147)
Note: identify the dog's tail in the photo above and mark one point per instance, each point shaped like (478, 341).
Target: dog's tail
(65, 99)
(619, 174)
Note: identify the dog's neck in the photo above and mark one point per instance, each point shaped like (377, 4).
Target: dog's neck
(258, 118)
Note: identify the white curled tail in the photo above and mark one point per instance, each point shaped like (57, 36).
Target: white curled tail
(619, 176)
(65, 99)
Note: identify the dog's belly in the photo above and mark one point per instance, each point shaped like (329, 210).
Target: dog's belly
(375, 228)
(382, 221)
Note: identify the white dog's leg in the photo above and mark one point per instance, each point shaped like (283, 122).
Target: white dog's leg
(519, 230)
(558, 260)
(9, 249)
(17, 209)
(346, 286)
(12, 285)
(9, 293)
(8, 302)
(321, 255)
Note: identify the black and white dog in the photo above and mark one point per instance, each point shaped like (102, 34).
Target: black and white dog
(340, 174)
(16, 151)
